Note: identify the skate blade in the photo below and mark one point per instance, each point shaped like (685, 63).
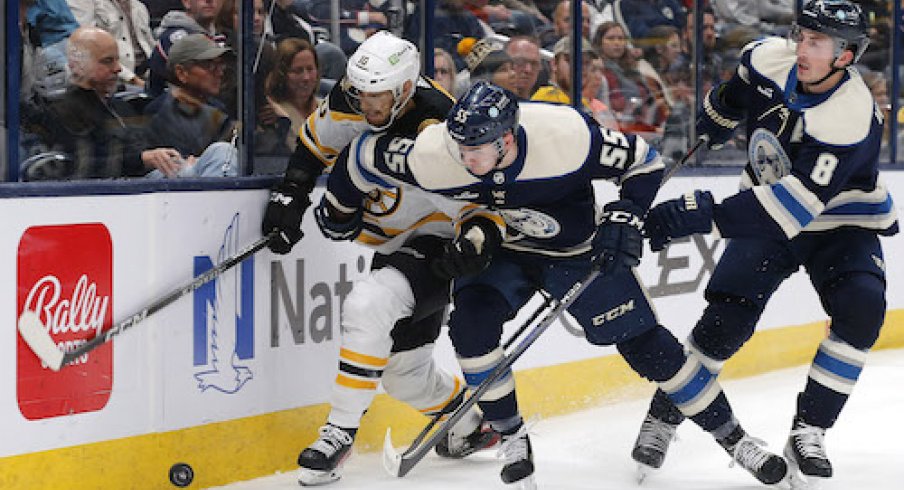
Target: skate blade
(392, 460)
(312, 478)
(797, 479)
(643, 471)
(529, 483)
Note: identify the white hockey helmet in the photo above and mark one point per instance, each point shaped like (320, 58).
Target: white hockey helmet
(382, 63)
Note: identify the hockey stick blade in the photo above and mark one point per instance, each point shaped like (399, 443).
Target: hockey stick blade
(400, 465)
(392, 460)
(38, 338)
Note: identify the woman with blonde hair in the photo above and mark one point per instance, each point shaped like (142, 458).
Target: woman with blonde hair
(292, 85)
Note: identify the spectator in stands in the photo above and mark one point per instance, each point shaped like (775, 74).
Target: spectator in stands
(158, 8)
(488, 61)
(358, 19)
(642, 15)
(102, 136)
(530, 8)
(289, 18)
(128, 22)
(525, 54)
(638, 105)
(502, 18)
(760, 14)
(561, 19)
(712, 62)
(261, 61)
(292, 85)
(46, 25)
(189, 117)
(199, 17)
(444, 69)
(559, 88)
(593, 86)
(661, 49)
(452, 24)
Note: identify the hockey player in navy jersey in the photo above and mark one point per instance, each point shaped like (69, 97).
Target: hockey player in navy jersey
(392, 317)
(534, 163)
(810, 196)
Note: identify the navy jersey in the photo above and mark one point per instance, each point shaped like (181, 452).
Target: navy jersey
(545, 196)
(812, 158)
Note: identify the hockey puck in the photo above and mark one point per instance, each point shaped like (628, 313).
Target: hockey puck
(181, 475)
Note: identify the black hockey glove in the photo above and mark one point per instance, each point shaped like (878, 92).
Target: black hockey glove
(470, 253)
(341, 228)
(618, 243)
(717, 120)
(677, 218)
(288, 202)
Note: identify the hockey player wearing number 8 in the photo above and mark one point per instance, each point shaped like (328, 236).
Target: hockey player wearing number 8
(535, 166)
(392, 317)
(811, 196)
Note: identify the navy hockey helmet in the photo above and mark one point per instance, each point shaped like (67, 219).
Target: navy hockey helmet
(841, 19)
(483, 115)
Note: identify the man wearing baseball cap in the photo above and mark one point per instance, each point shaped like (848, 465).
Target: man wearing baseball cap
(189, 116)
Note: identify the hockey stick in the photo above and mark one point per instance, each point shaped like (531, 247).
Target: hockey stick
(442, 413)
(400, 464)
(671, 172)
(37, 336)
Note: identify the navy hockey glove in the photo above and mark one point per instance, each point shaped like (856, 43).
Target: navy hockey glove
(717, 120)
(288, 202)
(470, 253)
(677, 218)
(618, 243)
(345, 228)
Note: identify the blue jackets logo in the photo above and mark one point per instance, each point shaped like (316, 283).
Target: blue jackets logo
(223, 323)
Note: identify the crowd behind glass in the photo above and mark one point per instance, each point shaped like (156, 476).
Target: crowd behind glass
(151, 88)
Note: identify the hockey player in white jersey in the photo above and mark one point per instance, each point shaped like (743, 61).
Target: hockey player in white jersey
(391, 318)
(811, 197)
(535, 166)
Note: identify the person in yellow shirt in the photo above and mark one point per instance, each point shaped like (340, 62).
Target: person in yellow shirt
(592, 81)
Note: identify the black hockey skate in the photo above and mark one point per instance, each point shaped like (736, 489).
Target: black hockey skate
(748, 452)
(651, 445)
(322, 461)
(519, 460)
(806, 454)
(469, 435)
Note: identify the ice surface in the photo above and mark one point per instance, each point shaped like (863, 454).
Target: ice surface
(590, 449)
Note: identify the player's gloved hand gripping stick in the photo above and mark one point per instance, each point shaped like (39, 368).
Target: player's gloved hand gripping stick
(38, 337)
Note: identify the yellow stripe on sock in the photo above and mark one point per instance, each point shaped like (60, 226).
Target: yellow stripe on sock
(439, 407)
(378, 362)
(353, 383)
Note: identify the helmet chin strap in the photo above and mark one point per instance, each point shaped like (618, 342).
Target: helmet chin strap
(500, 150)
(831, 72)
